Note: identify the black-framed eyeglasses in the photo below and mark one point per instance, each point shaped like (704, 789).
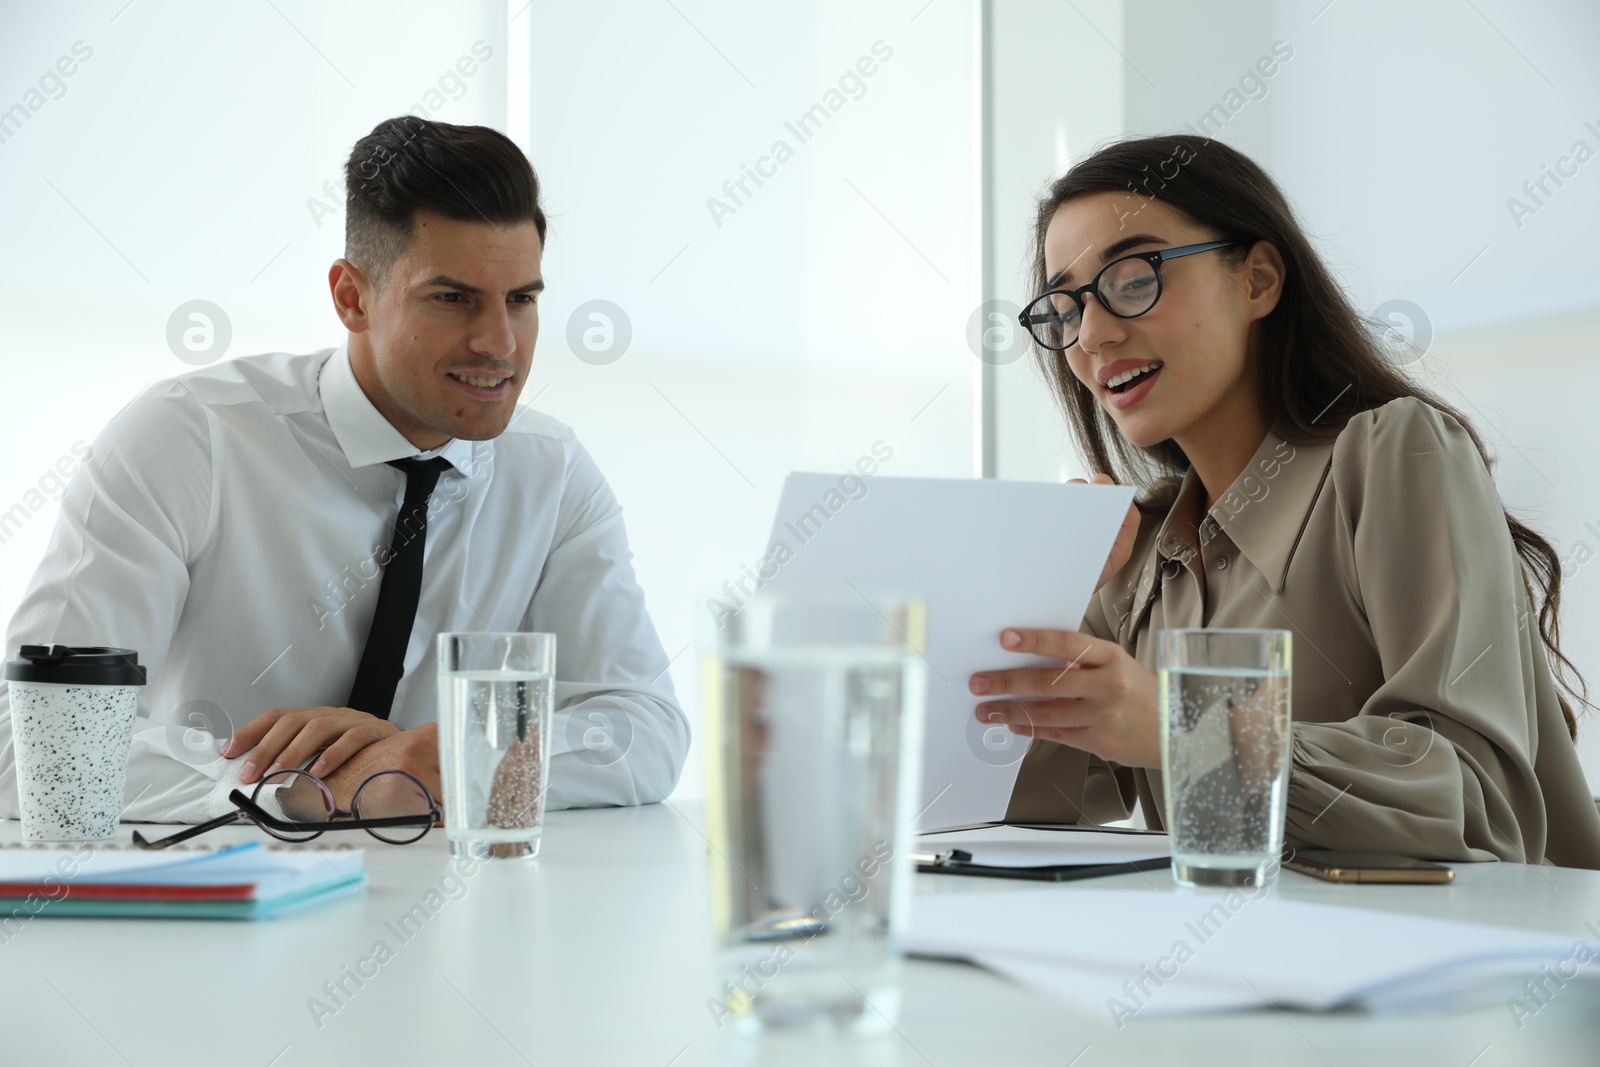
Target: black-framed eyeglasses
(392, 806)
(1127, 287)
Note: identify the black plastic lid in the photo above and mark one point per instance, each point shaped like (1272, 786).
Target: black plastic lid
(76, 666)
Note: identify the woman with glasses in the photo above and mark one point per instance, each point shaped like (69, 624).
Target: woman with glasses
(1290, 477)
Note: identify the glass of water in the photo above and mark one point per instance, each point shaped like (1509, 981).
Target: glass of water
(1224, 752)
(495, 709)
(814, 709)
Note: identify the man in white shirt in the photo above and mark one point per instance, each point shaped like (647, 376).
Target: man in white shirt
(236, 525)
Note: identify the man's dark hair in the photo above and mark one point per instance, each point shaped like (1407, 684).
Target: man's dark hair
(467, 173)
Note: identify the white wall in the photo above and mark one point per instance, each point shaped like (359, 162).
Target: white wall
(1058, 93)
(177, 165)
(1398, 132)
(1400, 149)
(824, 314)
(831, 309)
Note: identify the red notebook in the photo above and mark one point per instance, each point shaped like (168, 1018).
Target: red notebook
(89, 891)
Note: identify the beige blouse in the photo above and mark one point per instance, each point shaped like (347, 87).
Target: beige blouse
(1425, 713)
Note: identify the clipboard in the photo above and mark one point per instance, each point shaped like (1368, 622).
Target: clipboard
(1069, 873)
(959, 861)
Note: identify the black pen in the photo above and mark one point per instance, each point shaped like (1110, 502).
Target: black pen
(943, 859)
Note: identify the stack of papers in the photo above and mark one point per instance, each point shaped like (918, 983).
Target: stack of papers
(1149, 953)
(1024, 846)
(241, 882)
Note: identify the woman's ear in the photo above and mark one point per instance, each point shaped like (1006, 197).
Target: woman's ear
(1263, 275)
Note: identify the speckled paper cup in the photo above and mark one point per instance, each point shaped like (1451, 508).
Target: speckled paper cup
(72, 715)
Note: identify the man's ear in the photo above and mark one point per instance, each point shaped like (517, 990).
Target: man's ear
(352, 295)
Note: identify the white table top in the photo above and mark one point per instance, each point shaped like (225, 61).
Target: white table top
(599, 952)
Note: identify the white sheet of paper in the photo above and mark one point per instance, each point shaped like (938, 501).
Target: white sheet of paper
(1095, 988)
(983, 554)
(1237, 949)
(1020, 846)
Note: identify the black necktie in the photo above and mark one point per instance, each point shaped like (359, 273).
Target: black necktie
(383, 660)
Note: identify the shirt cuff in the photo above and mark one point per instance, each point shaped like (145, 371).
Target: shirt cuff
(227, 782)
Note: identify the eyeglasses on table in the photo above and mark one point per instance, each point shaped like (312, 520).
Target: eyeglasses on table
(392, 806)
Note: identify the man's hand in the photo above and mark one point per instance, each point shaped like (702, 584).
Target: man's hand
(414, 751)
(287, 737)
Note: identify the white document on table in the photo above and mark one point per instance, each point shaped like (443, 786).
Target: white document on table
(1157, 952)
(1022, 846)
(983, 555)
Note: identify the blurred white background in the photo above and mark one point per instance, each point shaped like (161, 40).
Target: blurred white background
(186, 156)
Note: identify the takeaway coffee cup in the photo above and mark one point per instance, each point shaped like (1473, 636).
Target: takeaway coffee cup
(72, 713)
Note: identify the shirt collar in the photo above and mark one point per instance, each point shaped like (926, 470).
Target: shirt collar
(1290, 476)
(365, 436)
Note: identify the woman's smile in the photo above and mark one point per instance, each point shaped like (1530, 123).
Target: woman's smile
(1126, 387)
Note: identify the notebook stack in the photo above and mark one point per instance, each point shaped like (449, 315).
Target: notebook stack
(242, 882)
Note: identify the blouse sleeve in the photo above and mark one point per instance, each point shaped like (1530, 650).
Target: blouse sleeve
(1061, 784)
(1438, 763)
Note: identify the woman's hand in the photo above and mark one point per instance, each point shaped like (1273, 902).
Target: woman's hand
(287, 737)
(1122, 548)
(1101, 700)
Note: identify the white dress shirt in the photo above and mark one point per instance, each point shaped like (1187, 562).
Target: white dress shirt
(230, 527)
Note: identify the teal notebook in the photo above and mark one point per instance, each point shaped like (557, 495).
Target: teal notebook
(239, 882)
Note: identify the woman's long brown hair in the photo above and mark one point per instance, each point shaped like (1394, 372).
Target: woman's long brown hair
(1337, 370)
